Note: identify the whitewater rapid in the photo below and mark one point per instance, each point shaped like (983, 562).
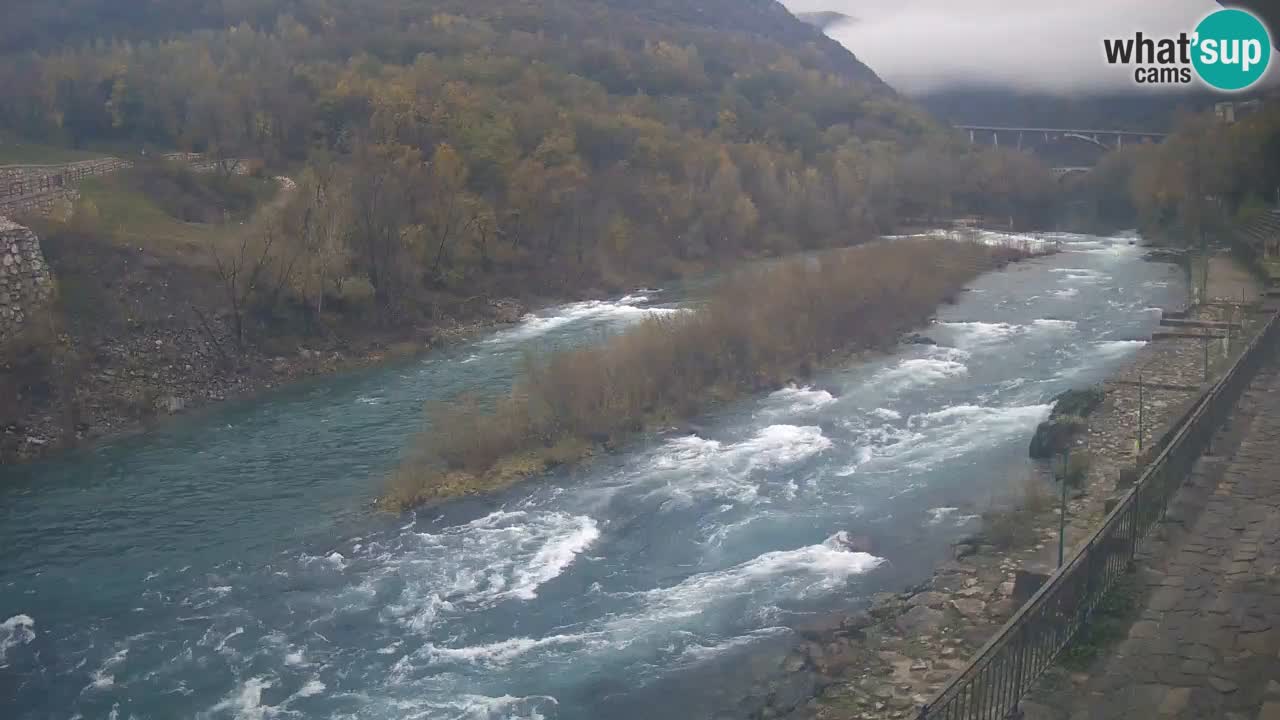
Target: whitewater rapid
(229, 568)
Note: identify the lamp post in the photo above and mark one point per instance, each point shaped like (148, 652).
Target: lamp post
(1062, 515)
(1141, 402)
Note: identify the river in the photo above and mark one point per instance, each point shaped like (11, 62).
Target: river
(230, 565)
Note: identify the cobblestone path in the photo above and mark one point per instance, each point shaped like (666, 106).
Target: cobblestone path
(1207, 643)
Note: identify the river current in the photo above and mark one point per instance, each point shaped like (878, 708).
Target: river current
(230, 564)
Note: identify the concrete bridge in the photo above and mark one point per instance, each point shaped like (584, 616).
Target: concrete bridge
(1021, 136)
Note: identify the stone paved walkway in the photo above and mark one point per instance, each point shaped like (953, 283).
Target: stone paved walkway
(1207, 644)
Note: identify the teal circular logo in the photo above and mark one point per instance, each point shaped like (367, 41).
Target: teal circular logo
(1232, 49)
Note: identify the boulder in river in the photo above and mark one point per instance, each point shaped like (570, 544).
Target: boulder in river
(1065, 421)
(918, 339)
(853, 543)
(1054, 435)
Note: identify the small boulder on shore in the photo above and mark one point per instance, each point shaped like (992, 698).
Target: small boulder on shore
(918, 339)
(920, 620)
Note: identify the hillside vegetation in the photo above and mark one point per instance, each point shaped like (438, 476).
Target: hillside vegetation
(1192, 189)
(757, 330)
(501, 147)
(449, 162)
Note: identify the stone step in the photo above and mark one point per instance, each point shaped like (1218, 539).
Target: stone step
(1174, 334)
(1184, 322)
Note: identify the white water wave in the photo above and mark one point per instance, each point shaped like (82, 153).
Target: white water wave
(533, 324)
(245, 702)
(1112, 349)
(977, 414)
(875, 441)
(102, 678)
(933, 437)
(920, 371)
(940, 515)
(1036, 242)
(506, 707)
(310, 689)
(795, 400)
(792, 574)
(692, 467)
(17, 630)
(887, 414)
(1081, 275)
(503, 556)
(968, 334)
(1049, 324)
(698, 653)
(501, 653)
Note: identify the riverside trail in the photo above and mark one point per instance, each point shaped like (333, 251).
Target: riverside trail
(229, 565)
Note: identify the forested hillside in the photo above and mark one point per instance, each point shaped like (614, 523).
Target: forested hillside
(475, 146)
(1205, 180)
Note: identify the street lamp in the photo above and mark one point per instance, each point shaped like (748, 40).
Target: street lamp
(1062, 514)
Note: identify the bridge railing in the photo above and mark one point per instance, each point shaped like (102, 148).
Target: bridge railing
(995, 680)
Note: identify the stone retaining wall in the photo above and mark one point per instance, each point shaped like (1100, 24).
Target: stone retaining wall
(25, 282)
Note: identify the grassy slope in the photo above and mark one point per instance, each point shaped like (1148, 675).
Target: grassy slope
(133, 219)
(20, 152)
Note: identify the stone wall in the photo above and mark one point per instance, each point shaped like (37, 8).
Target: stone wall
(25, 282)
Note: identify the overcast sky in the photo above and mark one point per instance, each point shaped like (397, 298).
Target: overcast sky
(1040, 45)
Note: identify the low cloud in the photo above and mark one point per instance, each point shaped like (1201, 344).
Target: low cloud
(920, 46)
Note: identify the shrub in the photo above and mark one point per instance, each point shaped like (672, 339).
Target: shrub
(1008, 528)
(758, 330)
(1079, 403)
(1077, 469)
(1108, 625)
(192, 196)
(357, 293)
(1014, 523)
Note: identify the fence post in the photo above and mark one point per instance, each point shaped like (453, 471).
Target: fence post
(1204, 341)
(1062, 520)
(1231, 317)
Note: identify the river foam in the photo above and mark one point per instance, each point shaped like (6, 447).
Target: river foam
(691, 468)
(794, 400)
(795, 574)
(977, 333)
(593, 591)
(17, 630)
(503, 556)
(533, 325)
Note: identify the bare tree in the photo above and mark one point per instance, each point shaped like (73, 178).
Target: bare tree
(239, 272)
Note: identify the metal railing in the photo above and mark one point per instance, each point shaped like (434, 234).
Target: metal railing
(995, 680)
